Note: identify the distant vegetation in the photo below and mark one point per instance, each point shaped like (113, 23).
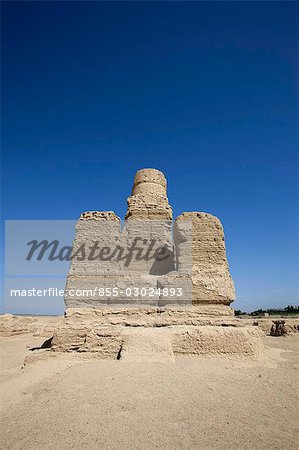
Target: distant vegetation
(272, 311)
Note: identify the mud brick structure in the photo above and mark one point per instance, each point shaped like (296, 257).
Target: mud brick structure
(171, 279)
(192, 257)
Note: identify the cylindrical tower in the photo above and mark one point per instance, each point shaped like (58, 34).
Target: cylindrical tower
(149, 197)
(149, 181)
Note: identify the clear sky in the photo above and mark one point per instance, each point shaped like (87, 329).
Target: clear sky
(205, 92)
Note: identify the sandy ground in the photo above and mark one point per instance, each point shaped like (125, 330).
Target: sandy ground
(72, 401)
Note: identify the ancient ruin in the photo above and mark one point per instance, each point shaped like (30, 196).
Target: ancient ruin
(188, 256)
(278, 328)
(152, 285)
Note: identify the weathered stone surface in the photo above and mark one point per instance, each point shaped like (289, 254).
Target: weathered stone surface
(202, 235)
(118, 342)
(201, 310)
(91, 296)
(210, 341)
(11, 325)
(136, 317)
(83, 338)
(99, 215)
(194, 260)
(149, 198)
(218, 315)
(99, 230)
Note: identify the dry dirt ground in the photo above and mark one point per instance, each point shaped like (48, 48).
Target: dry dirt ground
(71, 401)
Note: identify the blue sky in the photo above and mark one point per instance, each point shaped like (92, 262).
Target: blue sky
(205, 92)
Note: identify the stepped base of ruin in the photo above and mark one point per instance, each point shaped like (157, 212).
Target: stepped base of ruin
(156, 333)
(119, 342)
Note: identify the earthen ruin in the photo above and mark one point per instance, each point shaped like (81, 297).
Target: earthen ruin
(147, 257)
(194, 259)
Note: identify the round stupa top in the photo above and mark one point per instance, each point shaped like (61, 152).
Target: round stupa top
(149, 181)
